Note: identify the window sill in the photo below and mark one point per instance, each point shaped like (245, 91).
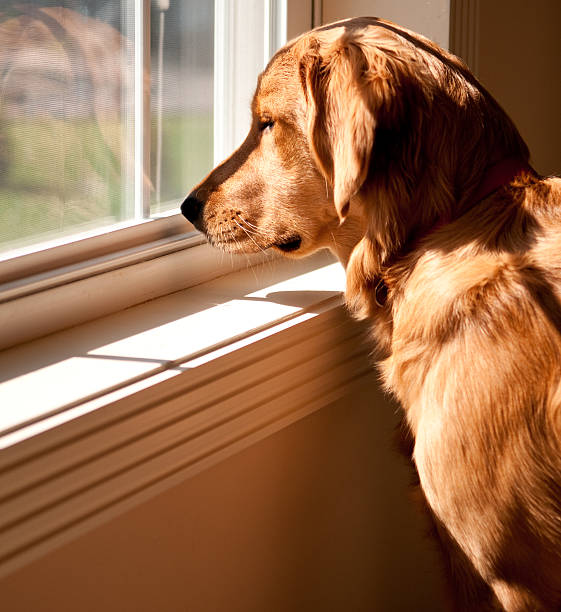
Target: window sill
(99, 417)
(73, 294)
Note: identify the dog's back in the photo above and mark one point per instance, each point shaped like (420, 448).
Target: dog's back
(476, 361)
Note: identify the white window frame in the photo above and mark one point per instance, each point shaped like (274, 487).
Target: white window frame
(59, 277)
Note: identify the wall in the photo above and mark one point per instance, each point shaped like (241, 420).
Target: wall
(315, 517)
(429, 17)
(520, 62)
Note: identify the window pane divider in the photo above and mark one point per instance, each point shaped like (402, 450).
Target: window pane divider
(142, 109)
(275, 27)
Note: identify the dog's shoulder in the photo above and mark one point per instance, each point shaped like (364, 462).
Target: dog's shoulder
(464, 306)
(445, 308)
(449, 289)
(485, 269)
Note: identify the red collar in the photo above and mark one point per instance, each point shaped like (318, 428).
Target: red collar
(500, 174)
(496, 176)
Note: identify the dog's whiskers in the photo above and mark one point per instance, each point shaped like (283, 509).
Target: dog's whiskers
(247, 233)
(244, 227)
(251, 226)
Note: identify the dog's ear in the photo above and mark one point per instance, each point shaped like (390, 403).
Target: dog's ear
(341, 121)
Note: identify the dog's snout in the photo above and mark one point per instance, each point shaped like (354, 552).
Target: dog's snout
(191, 208)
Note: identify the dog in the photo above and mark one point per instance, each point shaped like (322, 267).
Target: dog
(371, 141)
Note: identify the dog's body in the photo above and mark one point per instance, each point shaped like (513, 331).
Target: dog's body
(373, 142)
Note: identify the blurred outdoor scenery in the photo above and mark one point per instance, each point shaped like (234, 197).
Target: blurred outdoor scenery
(67, 112)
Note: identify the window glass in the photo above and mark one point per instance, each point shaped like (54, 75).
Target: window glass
(181, 100)
(68, 113)
(66, 131)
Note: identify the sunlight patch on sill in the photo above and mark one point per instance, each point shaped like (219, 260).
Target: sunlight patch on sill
(59, 377)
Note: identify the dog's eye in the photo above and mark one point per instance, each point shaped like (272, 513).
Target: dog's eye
(266, 125)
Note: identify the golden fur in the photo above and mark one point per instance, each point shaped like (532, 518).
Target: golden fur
(372, 141)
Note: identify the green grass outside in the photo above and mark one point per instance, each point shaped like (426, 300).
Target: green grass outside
(58, 177)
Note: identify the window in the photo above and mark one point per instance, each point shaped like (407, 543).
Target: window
(110, 111)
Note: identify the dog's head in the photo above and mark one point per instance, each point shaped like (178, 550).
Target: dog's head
(361, 131)
(307, 153)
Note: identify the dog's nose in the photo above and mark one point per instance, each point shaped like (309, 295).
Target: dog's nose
(191, 208)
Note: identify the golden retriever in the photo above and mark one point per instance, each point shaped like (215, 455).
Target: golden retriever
(372, 141)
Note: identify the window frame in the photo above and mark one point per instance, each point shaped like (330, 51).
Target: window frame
(31, 278)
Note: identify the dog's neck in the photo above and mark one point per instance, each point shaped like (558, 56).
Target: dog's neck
(497, 176)
(375, 268)
(351, 233)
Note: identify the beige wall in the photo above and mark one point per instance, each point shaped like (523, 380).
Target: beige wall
(314, 518)
(429, 17)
